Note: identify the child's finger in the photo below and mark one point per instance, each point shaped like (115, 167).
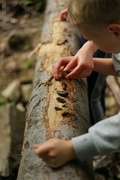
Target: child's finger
(42, 150)
(57, 69)
(72, 64)
(36, 146)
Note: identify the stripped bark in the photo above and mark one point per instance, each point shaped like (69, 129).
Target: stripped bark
(114, 86)
(50, 113)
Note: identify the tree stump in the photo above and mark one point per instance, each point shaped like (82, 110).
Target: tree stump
(57, 109)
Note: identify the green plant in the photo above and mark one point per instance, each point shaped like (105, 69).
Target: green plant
(3, 101)
(38, 4)
(29, 2)
(13, 103)
(26, 64)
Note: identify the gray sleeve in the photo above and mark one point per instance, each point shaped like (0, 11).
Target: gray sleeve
(116, 62)
(102, 138)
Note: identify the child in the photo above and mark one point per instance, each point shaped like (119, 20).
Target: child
(99, 22)
(96, 82)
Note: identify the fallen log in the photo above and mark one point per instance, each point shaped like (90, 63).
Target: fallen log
(57, 109)
(114, 86)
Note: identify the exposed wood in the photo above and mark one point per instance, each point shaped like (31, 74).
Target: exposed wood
(35, 50)
(50, 114)
(111, 81)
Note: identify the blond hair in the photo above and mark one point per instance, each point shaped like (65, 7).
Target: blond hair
(94, 13)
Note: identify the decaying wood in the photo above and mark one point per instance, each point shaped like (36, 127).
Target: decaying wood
(111, 81)
(57, 109)
(35, 50)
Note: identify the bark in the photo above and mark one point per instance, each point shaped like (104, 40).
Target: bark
(50, 113)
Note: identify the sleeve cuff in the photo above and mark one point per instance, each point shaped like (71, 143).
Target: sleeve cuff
(84, 147)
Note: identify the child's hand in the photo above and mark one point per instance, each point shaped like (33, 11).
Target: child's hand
(81, 64)
(58, 68)
(63, 15)
(55, 152)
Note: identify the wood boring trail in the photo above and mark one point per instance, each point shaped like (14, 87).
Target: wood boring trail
(57, 109)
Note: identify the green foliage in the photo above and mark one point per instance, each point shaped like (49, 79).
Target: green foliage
(13, 103)
(29, 2)
(26, 47)
(39, 5)
(3, 101)
(26, 64)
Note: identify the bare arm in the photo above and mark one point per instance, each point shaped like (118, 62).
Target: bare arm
(81, 64)
(104, 66)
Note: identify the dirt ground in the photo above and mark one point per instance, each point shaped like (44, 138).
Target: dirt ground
(18, 37)
(20, 29)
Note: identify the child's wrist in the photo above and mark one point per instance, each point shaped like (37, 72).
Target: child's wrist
(91, 46)
(73, 155)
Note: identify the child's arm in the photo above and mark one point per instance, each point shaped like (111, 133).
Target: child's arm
(104, 66)
(102, 138)
(81, 64)
(56, 152)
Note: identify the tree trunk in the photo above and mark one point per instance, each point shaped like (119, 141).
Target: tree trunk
(57, 109)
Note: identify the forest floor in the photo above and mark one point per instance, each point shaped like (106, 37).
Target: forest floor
(20, 30)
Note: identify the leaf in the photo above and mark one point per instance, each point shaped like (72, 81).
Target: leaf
(3, 101)
(28, 2)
